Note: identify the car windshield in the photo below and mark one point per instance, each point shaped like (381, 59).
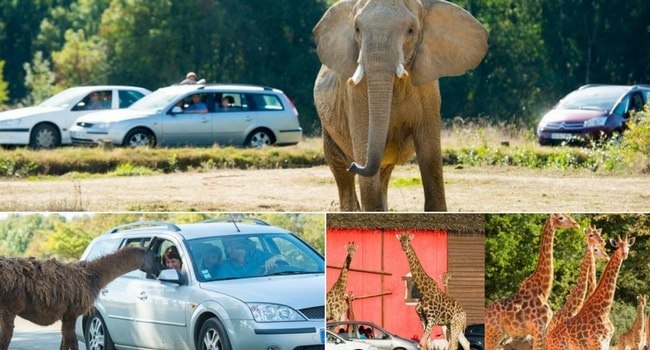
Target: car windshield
(65, 98)
(160, 99)
(244, 256)
(594, 98)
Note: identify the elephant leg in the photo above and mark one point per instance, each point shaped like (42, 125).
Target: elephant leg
(372, 198)
(338, 163)
(385, 179)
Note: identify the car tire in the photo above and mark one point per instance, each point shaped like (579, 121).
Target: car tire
(44, 136)
(259, 138)
(96, 335)
(213, 336)
(139, 137)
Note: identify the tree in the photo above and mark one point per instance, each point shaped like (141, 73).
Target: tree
(39, 80)
(4, 93)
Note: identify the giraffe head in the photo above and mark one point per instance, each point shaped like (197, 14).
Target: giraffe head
(594, 238)
(599, 253)
(405, 238)
(351, 248)
(622, 245)
(563, 221)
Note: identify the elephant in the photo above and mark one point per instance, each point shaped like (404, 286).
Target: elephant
(377, 92)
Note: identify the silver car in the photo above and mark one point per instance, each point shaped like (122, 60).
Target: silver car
(370, 333)
(274, 301)
(240, 115)
(47, 125)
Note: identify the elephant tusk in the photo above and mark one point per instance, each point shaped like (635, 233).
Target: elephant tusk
(356, 78)
(401, 72)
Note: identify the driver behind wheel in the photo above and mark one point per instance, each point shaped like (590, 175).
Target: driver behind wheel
(243, 259)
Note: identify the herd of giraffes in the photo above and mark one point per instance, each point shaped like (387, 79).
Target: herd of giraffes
(582, 322)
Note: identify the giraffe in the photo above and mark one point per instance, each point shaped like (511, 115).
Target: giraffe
(591, 328)
(527, 311)
(634, 338)
(434, 307)
(595, 250)
(336, 301)
(350, 298)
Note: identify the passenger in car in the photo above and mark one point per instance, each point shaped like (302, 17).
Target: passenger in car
(226, 102)
(197, 105)
(245, 260)
(94, 103)
(190, 78)
(172, 259)
(211, 262)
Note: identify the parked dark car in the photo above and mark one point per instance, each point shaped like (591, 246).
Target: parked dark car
(591, 113)
(475, 334)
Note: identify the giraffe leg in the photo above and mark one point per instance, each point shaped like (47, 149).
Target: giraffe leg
(424, 342)
(456, 329)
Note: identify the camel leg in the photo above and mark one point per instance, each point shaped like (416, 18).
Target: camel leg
(68, 339)
(6, 327)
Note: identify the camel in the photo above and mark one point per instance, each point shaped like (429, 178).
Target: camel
(45, 291)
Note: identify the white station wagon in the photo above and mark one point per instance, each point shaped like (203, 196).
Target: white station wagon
(275, 300)
(47, 125)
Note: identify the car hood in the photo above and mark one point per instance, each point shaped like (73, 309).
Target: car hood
(28, 112)
(112, 115)
(571, 115)
(274, 289)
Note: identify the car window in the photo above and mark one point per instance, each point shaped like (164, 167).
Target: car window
(101, 248)
(594, 98)
(95, 100)
(231, 102)
(128, 97)
(137, 242)
(243, 256)
(266, 102)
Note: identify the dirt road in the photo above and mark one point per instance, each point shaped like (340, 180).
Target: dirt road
(313, 190)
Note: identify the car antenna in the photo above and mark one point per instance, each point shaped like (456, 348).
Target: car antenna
(234, 222)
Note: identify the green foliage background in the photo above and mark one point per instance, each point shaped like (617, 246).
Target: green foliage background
(512, 249)
(65, 236)
(539, 50)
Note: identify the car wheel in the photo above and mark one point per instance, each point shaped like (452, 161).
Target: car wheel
(259, 138)
(44, 136)
(139, 138)
(97, 337)
(213, 336)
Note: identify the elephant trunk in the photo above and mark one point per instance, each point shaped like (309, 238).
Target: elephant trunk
(380, 92)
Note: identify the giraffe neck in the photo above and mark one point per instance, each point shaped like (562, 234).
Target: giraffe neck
(592, 281)
(341, 283)
(542, 278)
(639, 322)
(576, 296)
(600, 301)
(420, 277)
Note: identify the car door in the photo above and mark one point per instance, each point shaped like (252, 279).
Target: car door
(232, 123)
(187, 128)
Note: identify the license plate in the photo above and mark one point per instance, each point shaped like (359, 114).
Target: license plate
(561, 136)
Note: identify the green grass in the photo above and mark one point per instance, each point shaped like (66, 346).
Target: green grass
(474, 143)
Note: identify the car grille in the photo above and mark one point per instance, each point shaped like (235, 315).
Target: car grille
(564, 126)
(317, 312)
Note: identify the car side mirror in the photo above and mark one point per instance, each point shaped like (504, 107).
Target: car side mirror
(170, 275)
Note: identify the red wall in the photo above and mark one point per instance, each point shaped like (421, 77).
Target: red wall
(380, 250)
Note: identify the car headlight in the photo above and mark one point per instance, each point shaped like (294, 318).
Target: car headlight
(9, 122)
(274, 313)
(598, 121)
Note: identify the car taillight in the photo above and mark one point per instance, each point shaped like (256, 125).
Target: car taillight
(295, 111)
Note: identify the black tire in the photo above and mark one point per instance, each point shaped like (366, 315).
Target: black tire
(213, 336)
(139, 138)
(96, 335)
(260, 138)
(44, 136)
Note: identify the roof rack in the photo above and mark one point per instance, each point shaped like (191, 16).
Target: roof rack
(169, 226)
(235, 219)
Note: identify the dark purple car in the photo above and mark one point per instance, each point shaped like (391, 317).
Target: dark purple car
(591, 113)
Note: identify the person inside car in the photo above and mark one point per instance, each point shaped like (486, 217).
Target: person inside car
(172, 259)
(197, 105)
(245, 260)
(211, 262)
(94, 103)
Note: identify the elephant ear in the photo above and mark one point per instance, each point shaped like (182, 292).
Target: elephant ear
(334, 36)
(453, 42)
